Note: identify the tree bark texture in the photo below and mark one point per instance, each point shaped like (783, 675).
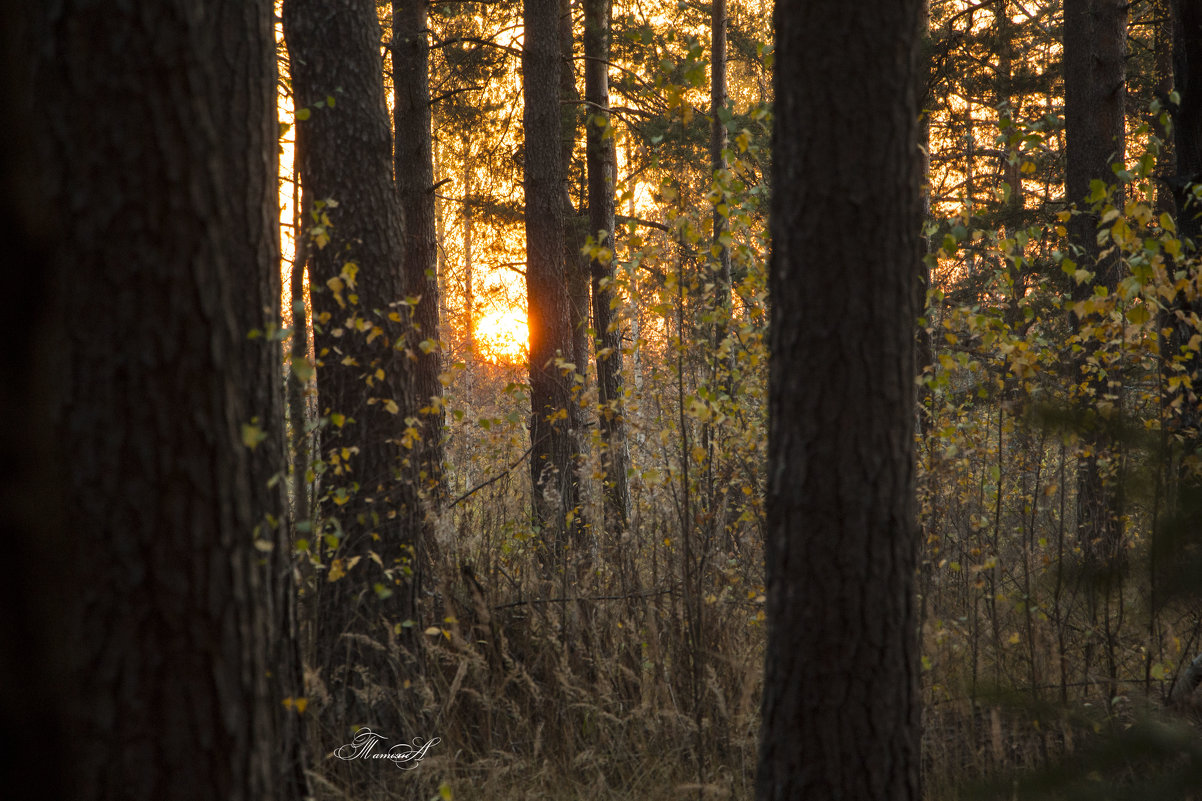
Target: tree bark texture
(165, 238)
(1095, 48)
(840, 705)
(247, 72)
(575, 220)
(415, 184)
(554, 411)
(602, 174)
(1095, 35)
(345, 158)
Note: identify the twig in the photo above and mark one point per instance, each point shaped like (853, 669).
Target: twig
(495, 478)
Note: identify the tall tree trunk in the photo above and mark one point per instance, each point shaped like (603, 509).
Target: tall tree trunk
(1095, 37)
(718, 99)
(1164, 15)
(575, 220)
(1095, 34)
(344, 139)
(37, 554)
(554, 411)
(415, 183)
(721, 364)
(840, 704)
(602, 170)
(1187, 121)
(1182, 404)
(248, 84)
(157, 126)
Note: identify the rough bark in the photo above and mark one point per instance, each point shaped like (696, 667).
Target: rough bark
(1095, 36)
(554, 411)
(345, 155)
(602, 171)
(164, 236)
(575, 220)
(1095, 33)
(415, 184)
(840, 705)
(248, 78)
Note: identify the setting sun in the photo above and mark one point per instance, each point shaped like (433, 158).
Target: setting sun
(502, 335)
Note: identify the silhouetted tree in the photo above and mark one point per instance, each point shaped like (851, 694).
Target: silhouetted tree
(840, 705)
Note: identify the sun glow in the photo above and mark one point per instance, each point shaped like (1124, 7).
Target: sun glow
(502, 336)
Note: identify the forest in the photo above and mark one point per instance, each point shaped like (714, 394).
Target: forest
(602, 399)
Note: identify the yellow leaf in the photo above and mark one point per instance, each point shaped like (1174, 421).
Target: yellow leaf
(252, 435)
(299, 704)
(390, 406)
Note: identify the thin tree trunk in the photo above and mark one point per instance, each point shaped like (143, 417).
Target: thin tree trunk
(718, 99)
(415, 183)
(841, 692)
(575, 221)
(601, 176)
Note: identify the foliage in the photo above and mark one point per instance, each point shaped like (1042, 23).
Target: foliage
(636, 671)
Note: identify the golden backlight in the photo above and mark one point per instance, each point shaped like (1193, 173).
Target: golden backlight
(502, 336)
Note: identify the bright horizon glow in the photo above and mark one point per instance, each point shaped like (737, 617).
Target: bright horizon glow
(502, 336)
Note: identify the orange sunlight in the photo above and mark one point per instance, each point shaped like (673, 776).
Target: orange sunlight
(502, 336)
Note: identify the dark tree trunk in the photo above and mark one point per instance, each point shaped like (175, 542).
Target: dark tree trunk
(1095, 36)
(840, 706)
(1187, 121)
(1182, 404)
(161, 166)
(1163, 46)
(1095, 33)
(415, 183)
(554, 411)
(717, 165)
(248, 83)
(32, 647)
(355, 251)
(602, 173)
(575, 220)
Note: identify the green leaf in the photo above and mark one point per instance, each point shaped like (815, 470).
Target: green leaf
(252, 435)
(302, 368)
